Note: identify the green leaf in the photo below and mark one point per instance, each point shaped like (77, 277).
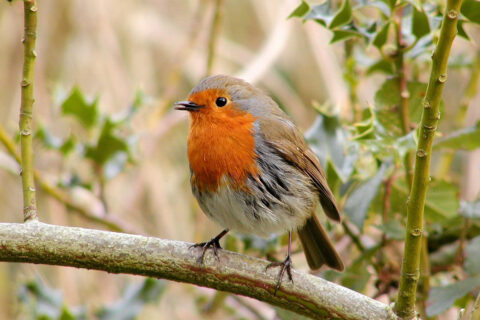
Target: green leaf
(378, 140)
(67, 146)
(322, 14)
(390, 3)
(48, 140)
(385, 7)
(329, 140)
(55, 143)
(46, 303)
(466, 138)
(332, 177)
(387, 102)
(356, 275)
(134, 297)
(423, 46)
(393, 229)
(443, 256)
(461, 31)
(300, 11)
(339, 35)
(380, 38)
(470, 210)
(381, 65)
(262, 245)
(108, 144)
(441, 203)
(472, 257)
(441, 298)
(360, 198)
(342, 16)
(76, 106)
(471, 10)
(420, 25)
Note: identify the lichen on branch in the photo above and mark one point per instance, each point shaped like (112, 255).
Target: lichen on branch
(309, 295)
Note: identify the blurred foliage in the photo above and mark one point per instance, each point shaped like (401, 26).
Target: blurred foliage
(378, 141)
(43, 303)
(107, 140)
(363, 152)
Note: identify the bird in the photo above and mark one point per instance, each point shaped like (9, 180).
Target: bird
(252, 172)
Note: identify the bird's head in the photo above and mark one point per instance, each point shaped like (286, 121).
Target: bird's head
(222, 96)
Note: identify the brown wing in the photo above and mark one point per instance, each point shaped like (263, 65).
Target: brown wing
(281, 134)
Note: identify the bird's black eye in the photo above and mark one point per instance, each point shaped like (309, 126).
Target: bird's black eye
(221, 101)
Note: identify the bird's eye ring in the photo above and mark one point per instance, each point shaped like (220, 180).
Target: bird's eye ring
(221, 101)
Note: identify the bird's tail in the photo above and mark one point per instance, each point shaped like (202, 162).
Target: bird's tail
(317, 246)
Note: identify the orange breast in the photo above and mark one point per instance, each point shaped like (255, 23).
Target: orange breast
(221, 144)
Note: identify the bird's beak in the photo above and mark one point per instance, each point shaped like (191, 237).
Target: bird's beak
(187, 106)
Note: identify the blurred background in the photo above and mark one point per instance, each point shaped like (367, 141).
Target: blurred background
(128, 61)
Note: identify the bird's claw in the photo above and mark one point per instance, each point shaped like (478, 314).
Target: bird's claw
(285, 265)
(214, 243)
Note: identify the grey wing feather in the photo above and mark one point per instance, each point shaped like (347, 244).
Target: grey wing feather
(283, 136)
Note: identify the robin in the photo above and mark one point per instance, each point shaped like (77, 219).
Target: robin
(252, 172)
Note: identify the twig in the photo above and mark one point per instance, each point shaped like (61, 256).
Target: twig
(475, 313)
(26, 111)
(404, 94)
(405, 305)
(250, 308)
(213, 36)
(101, 186)
(461, 242)
(262, 60)
(9, 145)
(356, 239)
(109, 221)
(309, 295)
(404, 113)
(387, 185)
(215, 303)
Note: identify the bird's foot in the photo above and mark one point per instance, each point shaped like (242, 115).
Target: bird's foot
(214, 243)
(285, 265)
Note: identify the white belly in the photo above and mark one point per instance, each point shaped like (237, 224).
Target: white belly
(239, 211)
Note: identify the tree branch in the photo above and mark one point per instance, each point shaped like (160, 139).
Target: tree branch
(36, 242)
(26, 111)
(405, 306)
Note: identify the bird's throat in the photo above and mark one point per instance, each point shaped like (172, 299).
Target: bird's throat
(221, 146)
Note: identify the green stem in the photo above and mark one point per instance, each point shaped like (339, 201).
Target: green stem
(355, 239)
(212, 40)
(404, 94)
(215, 303)
(26, 111)
(405, 305)
(109, 221)
(475, 313)
(408, 160)
(247, 306)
